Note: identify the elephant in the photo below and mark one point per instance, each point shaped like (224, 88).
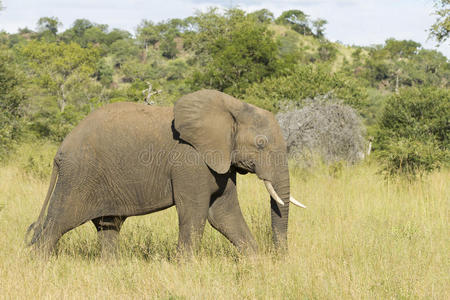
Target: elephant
(127, 159)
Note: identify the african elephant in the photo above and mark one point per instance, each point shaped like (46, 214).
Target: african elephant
(128, 159)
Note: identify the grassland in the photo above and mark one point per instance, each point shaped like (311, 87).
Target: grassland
(360, 237)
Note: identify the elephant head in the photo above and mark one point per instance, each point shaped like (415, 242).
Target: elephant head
(230, 133)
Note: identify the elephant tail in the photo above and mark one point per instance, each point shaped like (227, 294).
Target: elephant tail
(38, 226)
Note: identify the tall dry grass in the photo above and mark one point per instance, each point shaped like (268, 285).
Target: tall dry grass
(360, 237)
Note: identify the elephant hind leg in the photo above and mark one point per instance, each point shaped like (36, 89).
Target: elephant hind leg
(108, 229)
(58, 220)
(45, 242)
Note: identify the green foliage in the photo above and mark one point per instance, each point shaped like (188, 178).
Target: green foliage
(297, 19)
(326, 52)
(169, 47)
(123, 50)
(12, 98)
(288, 44)
(401, 49)
(47, 28)
(51, 80)
(319, 26)
(411, 158)
(84, 32)
(414, 131)
(238, 50)
(263, 15)
(148, 34)
(427, 68)
(400, 64)
(440, 30)
(305, 82)
(59, 67)
(104, 72)
(51, 123)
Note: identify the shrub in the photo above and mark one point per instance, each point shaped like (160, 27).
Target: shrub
(413, 131)
(411, 158)
(305, 82)
(327, 52)
(168, 47)
(55, 125)
(12, 97)
(324, 127)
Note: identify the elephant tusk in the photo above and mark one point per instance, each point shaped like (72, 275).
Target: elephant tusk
(272, 192)
(295, 202)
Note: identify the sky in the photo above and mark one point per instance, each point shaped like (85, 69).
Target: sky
(352, 22)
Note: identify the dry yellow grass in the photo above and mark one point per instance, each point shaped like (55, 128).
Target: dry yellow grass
(360, 237)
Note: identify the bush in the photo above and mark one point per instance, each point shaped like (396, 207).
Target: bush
(168, 47)
(327, 52)
(305, 82)
(12, 97)
(411, 158)
(413, 131)
(325, 128)
(55, 125)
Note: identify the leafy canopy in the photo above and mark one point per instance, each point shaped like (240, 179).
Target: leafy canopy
(235, 50)
(60, 67)
(440, 30)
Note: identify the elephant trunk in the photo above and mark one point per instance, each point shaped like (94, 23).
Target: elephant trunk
(279, 211)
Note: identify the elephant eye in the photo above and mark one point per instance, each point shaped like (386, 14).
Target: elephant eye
(260, 141)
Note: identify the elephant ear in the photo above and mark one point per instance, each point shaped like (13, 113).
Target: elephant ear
(205, 120)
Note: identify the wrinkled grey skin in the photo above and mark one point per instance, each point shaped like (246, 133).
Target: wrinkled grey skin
(128, 159)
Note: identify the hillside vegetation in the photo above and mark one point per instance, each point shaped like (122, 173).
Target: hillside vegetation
(50, 80)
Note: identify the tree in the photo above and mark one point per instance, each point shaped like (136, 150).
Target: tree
(84, 32)
(80, 26)
(115, 35)
(59, 67)
(401, 49)
(147, 33)
(319, 26)
(11, 101)
(235, 49)
(168, 47)
(1, 6)
(48, 24)
(440, 30)
(123, 50)
(263, 15)
(298, 20)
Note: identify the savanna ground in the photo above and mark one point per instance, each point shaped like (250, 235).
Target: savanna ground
(360, 237)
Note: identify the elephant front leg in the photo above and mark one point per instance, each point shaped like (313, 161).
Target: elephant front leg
(225, 215)
(192, 202)
(192, 219)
